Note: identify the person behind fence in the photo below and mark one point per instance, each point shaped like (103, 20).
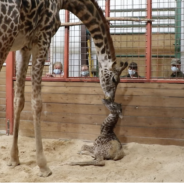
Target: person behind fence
(58, 70)
(84, 71)
(176, 68)
(132, 70)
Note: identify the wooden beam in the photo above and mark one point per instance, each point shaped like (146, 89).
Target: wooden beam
(110, 19)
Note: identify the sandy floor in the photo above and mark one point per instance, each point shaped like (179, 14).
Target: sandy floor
(142, 163)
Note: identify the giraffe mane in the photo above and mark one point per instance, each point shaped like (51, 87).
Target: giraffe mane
(109, 38)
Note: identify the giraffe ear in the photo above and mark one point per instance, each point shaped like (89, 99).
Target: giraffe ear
(121, 67)
(112, 65)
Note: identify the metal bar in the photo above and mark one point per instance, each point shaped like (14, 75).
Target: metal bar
(107, 8)
(143, 18)
(163, 17)
(66, 48)
(155, 56)
(148, 40)
(83, 45)
(142, 9)
(143, 25)
(9, 90)
(178, 29)
(152, 81)
(128, 19)
(89, 58)
(141, 33)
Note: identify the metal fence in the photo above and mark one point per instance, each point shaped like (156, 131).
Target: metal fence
(167, 37)
(150, 44)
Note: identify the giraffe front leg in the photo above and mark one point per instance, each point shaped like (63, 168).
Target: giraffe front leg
(22, 58)
(37, 69)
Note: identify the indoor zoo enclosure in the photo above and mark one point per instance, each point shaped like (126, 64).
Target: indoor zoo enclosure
(148, 32)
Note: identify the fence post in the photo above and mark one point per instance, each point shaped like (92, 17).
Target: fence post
(107, 8)
(66, 47)
(148, 40)
(10, 61)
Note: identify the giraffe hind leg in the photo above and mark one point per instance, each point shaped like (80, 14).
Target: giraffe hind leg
(22, 65)
(87, 150)
(37, 69)
(86, 163)
(98, 162)
(86, 153)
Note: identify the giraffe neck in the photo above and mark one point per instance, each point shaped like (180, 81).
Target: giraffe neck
(109, 123)
(92, 16)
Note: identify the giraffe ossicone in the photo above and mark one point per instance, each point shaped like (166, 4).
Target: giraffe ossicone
(27, 26)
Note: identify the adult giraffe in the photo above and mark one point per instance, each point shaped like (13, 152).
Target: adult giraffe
(27, 26)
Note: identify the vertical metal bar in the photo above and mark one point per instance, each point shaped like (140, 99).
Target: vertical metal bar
(51, 51)
(148, 39)
(107, 8)
(83, 45)
(178, 29)
(66, 48)
(10, 61)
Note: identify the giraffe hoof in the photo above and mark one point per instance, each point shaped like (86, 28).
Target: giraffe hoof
(45, 172)
(13, 163)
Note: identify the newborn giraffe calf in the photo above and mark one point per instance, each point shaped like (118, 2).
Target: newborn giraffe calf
(106, 146)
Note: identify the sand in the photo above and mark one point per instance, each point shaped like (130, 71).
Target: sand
(142, 163)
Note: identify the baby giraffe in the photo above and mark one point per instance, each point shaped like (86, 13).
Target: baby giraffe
(106, 146)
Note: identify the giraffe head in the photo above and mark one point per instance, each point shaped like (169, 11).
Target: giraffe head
(114, 108)
(109, 79)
